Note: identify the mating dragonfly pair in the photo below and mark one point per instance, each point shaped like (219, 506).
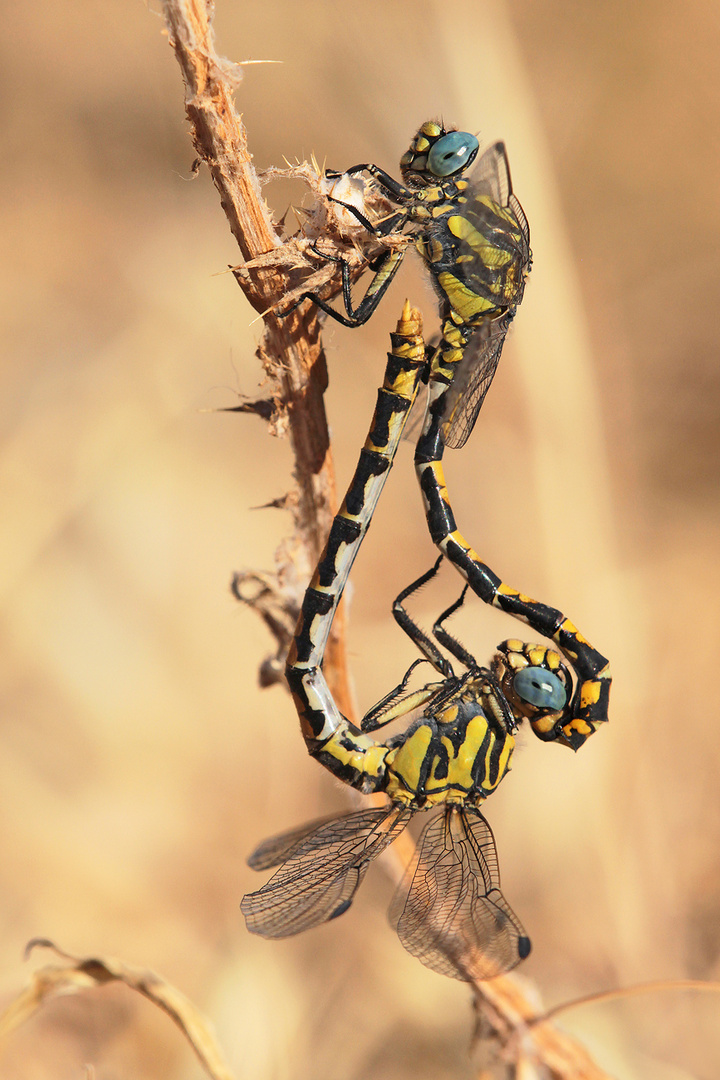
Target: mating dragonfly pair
(457, 746)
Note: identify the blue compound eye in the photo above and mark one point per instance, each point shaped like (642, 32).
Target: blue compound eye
(452, 153)
(540, 687)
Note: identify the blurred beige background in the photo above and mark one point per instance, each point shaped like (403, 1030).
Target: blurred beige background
(139, 762)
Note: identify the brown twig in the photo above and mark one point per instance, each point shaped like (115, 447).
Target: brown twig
(508, 1031)
(292, 355)
(276, 272)
(290, 349)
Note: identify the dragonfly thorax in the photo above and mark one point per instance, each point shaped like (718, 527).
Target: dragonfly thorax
(456, 754)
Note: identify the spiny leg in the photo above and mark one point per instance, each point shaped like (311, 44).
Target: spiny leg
(387, 184)
(418, 636)
(424, 644)
(448, 640)
(383, 227)
(397, 702)
(385, 267)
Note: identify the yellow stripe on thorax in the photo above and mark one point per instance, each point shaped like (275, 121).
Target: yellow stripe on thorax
(405, 763)
(465, 302)
(491, 255)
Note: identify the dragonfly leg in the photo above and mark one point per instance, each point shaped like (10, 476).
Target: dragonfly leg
(397, 703)
(418, 636)
(448, 640)
(387, 183)
(385, 267)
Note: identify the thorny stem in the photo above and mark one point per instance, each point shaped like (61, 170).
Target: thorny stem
(292, 354)
(290, 349)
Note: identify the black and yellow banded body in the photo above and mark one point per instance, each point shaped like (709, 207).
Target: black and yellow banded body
(474, 239)
(455, 750)
(405, 366)
(449, 910)
(588, 707)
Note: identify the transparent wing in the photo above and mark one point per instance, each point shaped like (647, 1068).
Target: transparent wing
(276, 849)
(491, 175)
(323, 871)
(449, 911)
(522, 221)
(493, 257)
(476, 371)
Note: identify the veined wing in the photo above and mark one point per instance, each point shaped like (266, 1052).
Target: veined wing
(275, 850)
(476, 371)
(323, 871)
(522, 221)
(492, 251)
(449, 911)
(492, 255)
(491, 175)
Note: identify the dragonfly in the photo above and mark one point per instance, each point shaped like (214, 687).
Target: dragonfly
(475, 240)
(454, 750)
(449, 910)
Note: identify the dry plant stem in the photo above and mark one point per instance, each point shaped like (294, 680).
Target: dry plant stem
(80, 974)
(292, 355)
(290, 349)
(531, 1049)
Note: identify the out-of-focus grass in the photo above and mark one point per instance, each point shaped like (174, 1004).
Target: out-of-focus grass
(139, 762)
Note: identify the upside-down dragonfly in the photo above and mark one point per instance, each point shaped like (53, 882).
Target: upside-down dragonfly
(449, 910)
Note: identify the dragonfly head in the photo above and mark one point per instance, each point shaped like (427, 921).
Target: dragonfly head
(537, 685)
(436, 154)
